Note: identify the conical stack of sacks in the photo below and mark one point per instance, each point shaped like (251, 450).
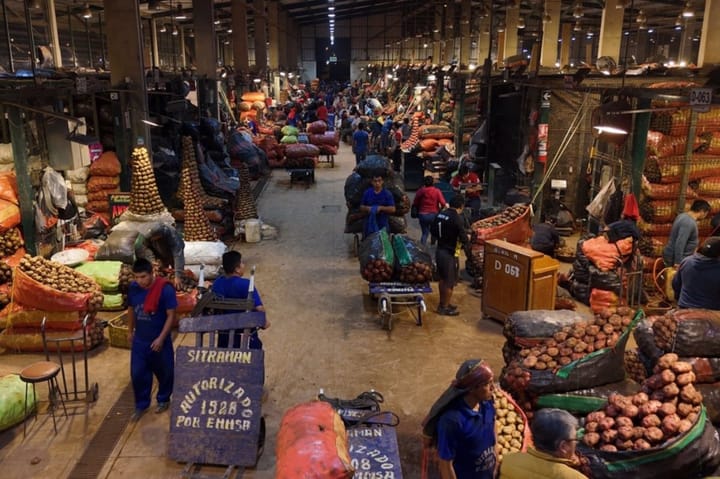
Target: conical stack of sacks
(197, 225)
(144, 194)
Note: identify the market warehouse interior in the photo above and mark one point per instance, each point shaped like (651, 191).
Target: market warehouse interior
(565, 153)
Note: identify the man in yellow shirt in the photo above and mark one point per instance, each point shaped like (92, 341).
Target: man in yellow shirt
(554, 434)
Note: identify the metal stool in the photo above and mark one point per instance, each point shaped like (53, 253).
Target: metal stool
(39, 372)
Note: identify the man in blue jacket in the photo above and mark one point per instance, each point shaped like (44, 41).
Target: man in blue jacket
(697, 282)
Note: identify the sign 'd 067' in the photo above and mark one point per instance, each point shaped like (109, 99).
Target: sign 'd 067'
(507, 268)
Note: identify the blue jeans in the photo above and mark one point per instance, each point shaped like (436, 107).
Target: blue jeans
(425, 219)
(144, 363)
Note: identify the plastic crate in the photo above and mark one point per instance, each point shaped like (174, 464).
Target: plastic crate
(118, 332)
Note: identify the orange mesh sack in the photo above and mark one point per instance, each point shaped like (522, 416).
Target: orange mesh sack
(312, 444)
(33, 294)
(98, 183)
(107, 165)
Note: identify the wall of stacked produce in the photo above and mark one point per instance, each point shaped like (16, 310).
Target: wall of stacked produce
(430, 138)
(103, 180)
(561, 351)
(688, 333)
(664, 164)
(144, 194)
(197, 225)
(653, 433)
(360, 180)
(46, 289)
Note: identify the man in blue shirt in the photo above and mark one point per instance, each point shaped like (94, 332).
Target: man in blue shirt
(697, 281)
(233, 286)
(684, 233)
(377, 202)
(360, 140)
(462, 422)
(150, 317)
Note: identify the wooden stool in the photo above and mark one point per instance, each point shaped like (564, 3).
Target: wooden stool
(39, 372)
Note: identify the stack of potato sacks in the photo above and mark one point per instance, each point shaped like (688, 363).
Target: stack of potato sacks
(103, 180)
(144, 195)
(326, 141)
(274, 152)
(78, 184)
(252, 105)
(46, 289)
(197, 225)
(301, 156)
(692, 335)
(215, 208)
(664, 164)
(432, 138)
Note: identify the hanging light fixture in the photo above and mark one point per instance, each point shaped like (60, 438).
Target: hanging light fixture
(180, 13)
(688, 11)
(546, 18)
(578, 10)
(86, 13)
(35, 4)
(577, 27)
(175, 30)
(521, 22)
(163, 28)
(679, 20)
(501, 26)
(642, 26)
(191, 33)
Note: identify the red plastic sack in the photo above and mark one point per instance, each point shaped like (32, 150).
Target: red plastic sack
(18, 316)
(9, 216)
(329, 138)
(186, 301)
(429, 144)
(8, 187)
(312, 444)
(317, 127)
(517, 231)
(601, 299)
(301, 150)
(107, 165)
(33, 294)
(606, 255)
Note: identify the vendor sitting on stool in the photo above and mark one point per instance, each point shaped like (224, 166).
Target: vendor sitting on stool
(377, 202)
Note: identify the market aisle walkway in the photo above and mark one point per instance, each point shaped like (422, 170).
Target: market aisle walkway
(324, 334)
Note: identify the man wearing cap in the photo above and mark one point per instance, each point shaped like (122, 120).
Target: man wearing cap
(697, 282)
(553, 457)
(461, 424)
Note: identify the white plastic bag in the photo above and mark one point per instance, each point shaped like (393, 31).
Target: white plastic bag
(204, 252)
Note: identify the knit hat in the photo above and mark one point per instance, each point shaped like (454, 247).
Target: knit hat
(711, 247)
(631, 209)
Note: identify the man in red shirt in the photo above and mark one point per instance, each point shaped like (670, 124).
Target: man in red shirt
(428, 201)
(322, 111)
(467, 182)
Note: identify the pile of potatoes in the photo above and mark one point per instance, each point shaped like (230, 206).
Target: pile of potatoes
(377, 271)
(61, 278)
(509, 425)
(667, 406)
(187, 280)
(144, 194)
(10, 242)
(197, 225)
(575, 342)
(664, 328)
(416, 272)
(507, 216)
(5, 273)
(126, 277)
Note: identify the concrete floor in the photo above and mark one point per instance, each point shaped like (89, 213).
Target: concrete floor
(324, 334)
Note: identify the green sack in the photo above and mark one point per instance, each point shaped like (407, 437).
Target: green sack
(287, 139)
(289, 130)
(113, 301)
(105, 273)
(12, 401)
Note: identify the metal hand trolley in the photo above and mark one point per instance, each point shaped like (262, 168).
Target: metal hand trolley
(395, 293)
(72, 389)
(240, 452)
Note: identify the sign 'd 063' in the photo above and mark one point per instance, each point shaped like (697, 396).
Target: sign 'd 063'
(507, 268)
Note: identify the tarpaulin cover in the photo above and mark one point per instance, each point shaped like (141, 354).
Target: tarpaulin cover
(12, 401)
(696, 332)
(312, 444)
(120, 246)
(539, 323)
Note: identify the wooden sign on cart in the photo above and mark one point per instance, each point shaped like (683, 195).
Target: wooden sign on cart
(216, 407)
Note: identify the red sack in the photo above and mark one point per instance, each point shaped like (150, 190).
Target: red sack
(601, 299)
(9, 216)
(429, 144)
(301, 150)
(329, 138)
(33, 294)
(517, 231)
(312, 444)
(186, 301)
(317, 127)
(8, 187)
(107, 165)
(606, 255)
(99, 183)
(14, 259)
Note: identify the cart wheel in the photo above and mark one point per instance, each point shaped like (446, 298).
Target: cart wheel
(356, 245)
(421, 308)
(385, 311)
